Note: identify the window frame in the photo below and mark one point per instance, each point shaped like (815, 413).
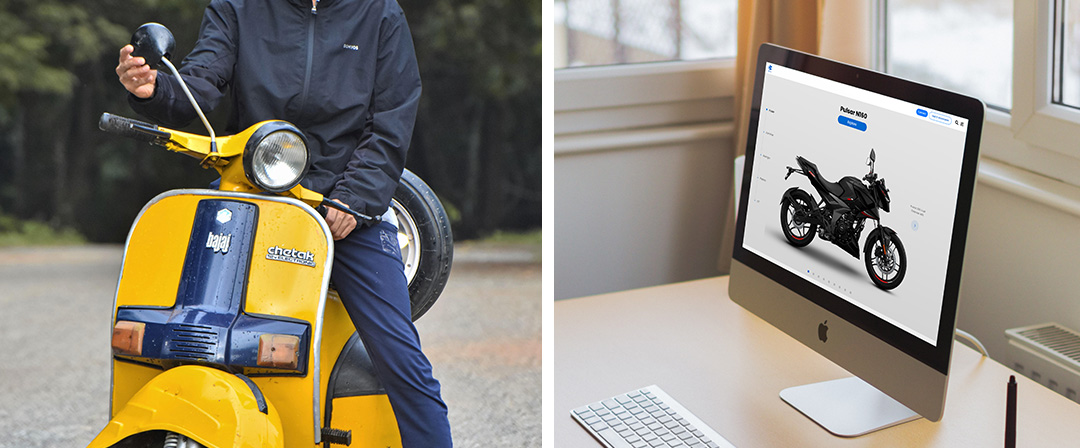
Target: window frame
(1035, 118)
(562, 40)
(1036, 135)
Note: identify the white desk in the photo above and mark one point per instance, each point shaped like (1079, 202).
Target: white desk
(728, 366)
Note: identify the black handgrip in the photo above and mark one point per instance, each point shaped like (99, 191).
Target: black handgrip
(135, 129)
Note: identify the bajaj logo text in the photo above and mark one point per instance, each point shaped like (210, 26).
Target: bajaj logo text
(290, 256)
(220, 243)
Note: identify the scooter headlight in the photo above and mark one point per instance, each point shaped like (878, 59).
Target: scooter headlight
(276, 157)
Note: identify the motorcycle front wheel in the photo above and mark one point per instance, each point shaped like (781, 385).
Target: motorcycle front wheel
(793, 218)
(886, 264)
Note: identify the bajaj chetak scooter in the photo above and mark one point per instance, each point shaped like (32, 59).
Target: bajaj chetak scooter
(225, 332)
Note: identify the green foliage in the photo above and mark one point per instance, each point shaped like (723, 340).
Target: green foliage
(477, 141)
(15, 232)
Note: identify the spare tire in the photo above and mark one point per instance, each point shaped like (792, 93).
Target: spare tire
(427, 244)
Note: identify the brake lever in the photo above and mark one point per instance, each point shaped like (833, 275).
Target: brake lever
(359, 216)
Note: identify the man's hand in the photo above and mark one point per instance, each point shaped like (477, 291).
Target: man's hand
(137, 77)
(341, 223)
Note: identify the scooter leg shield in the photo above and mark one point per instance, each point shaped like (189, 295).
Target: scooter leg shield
(212, 407)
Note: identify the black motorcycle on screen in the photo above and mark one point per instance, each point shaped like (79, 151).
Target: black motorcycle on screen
(840, 216)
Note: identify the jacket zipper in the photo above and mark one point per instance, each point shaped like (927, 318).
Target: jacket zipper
(310, 55)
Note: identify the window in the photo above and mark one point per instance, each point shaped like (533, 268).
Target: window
(960, 45)
(605, 32)
(1067, 53)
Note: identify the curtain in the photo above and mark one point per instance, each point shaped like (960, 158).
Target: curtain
(794, 24)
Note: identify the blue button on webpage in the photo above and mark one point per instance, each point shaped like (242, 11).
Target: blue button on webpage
(921, 112)
(852, 123)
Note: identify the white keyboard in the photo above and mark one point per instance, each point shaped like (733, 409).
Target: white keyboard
(646, 418)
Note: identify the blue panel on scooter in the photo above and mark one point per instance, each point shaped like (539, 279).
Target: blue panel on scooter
(215, 269)
(244, 342)
(207, 325)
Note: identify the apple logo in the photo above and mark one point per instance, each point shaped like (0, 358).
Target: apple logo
(822, 331)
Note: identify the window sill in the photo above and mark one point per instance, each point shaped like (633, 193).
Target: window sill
(651, 137)
(1029, 185)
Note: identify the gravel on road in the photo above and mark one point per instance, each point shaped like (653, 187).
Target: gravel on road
(482, 336)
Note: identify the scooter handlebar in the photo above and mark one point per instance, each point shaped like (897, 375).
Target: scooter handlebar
(134, 129)
(359, 216)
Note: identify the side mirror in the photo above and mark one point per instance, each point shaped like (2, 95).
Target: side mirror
(873, 157)
(153, 41)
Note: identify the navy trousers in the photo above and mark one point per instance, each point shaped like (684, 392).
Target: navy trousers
(368, 274)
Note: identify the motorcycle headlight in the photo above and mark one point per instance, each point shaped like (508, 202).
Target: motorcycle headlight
(276, 157)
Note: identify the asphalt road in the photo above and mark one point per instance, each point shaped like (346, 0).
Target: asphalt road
(482, 336)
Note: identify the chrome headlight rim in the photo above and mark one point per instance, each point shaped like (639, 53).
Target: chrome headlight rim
(253, 144)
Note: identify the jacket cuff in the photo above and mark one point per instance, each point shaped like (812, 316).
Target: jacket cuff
(353, 201)
(150, 106)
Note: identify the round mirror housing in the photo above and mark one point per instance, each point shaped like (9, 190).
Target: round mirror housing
(152, 41)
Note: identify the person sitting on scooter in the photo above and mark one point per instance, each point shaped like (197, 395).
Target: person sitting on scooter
(345, 73)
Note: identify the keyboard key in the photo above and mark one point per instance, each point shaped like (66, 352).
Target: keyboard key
(613, 438)
(610, 404)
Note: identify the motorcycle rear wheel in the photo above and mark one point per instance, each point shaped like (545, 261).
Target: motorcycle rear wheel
(426, 241)
(887, 266)
(798, 233)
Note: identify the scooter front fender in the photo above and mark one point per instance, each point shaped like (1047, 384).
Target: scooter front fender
(212, 407)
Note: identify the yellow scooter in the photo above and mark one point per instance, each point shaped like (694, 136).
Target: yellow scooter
(226, 332)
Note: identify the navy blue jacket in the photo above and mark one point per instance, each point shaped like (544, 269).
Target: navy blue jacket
(345, 73)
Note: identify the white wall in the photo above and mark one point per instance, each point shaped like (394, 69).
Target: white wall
(643, 173)
(1021, 264)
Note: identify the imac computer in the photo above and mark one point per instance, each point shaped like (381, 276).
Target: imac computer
(855, 199)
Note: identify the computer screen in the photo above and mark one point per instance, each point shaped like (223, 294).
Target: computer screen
(856, 194)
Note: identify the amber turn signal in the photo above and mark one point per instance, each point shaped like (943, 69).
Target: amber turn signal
(279, 351)
(127, 338)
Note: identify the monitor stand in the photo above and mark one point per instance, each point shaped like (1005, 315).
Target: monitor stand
(847, 407)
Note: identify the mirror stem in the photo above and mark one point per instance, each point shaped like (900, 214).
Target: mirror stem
(195, 104)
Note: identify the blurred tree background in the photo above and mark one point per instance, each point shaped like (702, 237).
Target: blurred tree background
(477, 138)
